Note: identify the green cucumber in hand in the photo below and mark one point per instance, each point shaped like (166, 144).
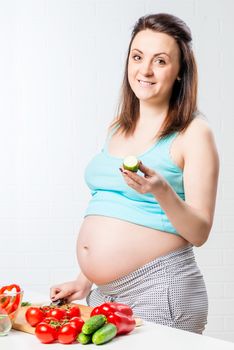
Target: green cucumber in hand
(131, 163)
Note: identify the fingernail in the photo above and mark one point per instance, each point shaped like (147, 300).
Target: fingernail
(121, 170)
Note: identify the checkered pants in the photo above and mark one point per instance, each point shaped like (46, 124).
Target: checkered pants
(169, 290)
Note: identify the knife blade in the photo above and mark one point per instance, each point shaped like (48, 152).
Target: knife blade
(59, 302)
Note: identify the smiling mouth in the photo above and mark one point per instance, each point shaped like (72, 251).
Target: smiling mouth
(145, 83)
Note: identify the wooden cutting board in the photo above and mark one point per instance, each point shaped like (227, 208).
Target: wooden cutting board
(22, 325)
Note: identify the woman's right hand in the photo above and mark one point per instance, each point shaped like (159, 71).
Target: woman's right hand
(72, 290)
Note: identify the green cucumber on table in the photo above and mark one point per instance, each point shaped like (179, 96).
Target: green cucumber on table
(84, 338)
(104, 334)
(93, 324)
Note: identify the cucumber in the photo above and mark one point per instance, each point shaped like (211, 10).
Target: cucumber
(93, 324)
(131, 163)
(84, 338)
(104, 334)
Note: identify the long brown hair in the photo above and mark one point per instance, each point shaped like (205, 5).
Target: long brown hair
(183, 101)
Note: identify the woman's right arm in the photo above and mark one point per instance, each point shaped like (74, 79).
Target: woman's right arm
(72, 290)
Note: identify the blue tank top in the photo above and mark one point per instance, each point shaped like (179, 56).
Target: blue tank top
(112, 197)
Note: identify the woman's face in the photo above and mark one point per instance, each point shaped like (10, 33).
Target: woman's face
(153, 66)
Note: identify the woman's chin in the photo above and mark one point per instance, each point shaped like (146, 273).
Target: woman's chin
(144, 98)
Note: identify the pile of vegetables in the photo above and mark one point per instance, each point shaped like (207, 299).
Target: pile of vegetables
(65, 325)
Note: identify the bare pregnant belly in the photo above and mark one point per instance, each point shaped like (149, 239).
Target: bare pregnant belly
(109, 248)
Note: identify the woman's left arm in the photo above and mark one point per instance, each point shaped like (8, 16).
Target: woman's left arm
(193, 217)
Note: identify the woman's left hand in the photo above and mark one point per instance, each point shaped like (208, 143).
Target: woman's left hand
(151, 182)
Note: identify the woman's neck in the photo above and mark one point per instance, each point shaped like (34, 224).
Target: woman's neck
(152, 115)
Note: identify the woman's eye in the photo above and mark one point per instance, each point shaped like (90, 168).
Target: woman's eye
(136, 57)
(160, 61)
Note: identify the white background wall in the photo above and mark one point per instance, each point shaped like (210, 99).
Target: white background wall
(61, 66)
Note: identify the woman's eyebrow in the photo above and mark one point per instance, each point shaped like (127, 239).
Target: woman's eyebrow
(156, 54)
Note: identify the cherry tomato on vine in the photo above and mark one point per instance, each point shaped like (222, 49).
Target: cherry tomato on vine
(72, 311)
(77, 322)
(56, 312)
(67, 334)
(45, 309)
(46, 333)
(34, 315)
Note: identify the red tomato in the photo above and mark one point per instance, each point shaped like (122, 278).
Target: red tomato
(45, 333)
(67, 334)
(45, 309)
(34, 315)
(52, 321)
(77, 322)
(72, 311)
(57, 313)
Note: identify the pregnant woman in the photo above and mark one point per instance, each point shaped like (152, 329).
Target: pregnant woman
(136, 241)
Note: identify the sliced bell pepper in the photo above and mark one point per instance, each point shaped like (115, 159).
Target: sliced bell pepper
(10, 303)
(9, 288)
(4, 301)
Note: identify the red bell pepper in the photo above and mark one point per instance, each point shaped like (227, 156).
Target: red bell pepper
(10, 288)
(108, 308)
(125, 324)
(4, 300)
(10, 303)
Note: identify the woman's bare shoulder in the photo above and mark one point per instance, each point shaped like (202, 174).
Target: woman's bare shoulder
(197, 130)
(198, 141)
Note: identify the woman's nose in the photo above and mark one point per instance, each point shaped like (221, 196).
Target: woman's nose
(146, 68)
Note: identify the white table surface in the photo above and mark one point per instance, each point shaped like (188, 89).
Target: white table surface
(148, 336)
